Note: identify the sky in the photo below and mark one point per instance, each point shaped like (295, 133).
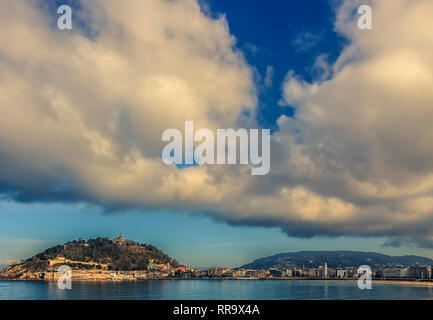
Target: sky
(282, 35)
(349, 110)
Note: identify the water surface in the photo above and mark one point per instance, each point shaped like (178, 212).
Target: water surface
(210, 290)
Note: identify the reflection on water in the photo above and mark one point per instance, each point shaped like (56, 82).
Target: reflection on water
(210, 289)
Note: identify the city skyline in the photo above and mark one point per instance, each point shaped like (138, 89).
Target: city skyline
(349, 111)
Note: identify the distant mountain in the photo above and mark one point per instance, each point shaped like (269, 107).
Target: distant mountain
(334, 259)
(117, 254)
(2, 266)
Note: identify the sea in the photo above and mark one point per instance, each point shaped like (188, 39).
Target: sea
(211, 290)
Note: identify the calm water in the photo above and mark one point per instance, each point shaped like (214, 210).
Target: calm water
(209, 289)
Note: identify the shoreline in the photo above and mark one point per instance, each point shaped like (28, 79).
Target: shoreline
(415, 283)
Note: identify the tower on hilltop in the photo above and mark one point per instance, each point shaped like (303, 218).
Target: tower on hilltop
(119, 240)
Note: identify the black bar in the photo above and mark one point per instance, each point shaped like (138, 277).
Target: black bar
(231, 309)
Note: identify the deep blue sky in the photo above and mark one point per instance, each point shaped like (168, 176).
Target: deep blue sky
(285, 35)
(267, 33)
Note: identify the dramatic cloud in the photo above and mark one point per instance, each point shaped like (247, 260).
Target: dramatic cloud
(365, 136)
(83, 112)
(82, 118)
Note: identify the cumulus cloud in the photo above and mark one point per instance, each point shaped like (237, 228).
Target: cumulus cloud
(82, 118)
(365, 133)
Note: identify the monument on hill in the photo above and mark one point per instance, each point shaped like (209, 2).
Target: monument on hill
(119, 240)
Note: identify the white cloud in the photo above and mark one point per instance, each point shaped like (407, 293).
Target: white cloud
(365, 133)
(88, 115)
(82, 119)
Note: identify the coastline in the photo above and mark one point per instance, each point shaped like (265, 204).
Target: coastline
(415, 283)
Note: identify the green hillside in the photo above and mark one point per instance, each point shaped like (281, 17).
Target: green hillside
(124, 255)
(335, 259)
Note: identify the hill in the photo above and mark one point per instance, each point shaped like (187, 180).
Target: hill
(334, 259)
(117, 254)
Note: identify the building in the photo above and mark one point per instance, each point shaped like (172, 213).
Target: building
(406, 272)
(297, 273)
(313, 272)
(119, 240)
(201, 273)
(214, 272)
(228, 274)
(240, 272)
(276, 272)
(58, 260)
(342, 273)
(393, 272)
(262, 274)
(419, 272)
(332, 273)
